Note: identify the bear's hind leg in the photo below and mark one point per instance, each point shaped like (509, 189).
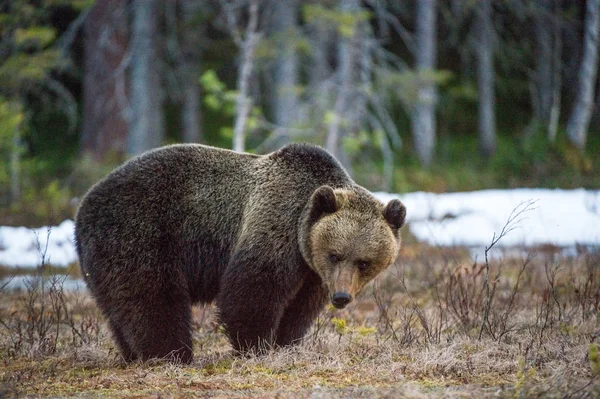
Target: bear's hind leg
(164, 330)
(153, 322)
(126, 351)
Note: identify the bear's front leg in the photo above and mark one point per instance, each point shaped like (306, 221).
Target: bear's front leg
(251, 300)
(301, 313)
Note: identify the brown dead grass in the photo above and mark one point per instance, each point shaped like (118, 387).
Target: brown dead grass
(414, 333)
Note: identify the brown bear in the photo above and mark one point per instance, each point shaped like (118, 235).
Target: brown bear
(270, 238)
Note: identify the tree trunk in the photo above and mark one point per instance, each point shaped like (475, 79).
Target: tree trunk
(319, 68)
(105, 97)
(423, 113)
(485, 79)
(580, 116)
(190, 71)
(547, 81)
(556, 75)
(15, 165)
(244, 102)
(147, 116)
(191, 116)
(319, 71)
(346, 75)
(285, 17)
(543, 55)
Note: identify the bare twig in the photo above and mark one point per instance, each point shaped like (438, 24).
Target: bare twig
(514, 219)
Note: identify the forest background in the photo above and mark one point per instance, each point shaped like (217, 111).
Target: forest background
(420, 95)
(439, 96)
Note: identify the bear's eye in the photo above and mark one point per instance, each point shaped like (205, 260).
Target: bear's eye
(334, 258)
(363, 265)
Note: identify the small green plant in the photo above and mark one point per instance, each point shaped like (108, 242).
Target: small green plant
(524, 376)
(341, 326)
(364, 331)
(594, 360)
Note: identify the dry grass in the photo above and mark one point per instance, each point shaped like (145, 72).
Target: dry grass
(414, 333)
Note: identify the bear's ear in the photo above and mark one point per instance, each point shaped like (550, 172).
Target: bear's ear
(322, 201)
(395, 214)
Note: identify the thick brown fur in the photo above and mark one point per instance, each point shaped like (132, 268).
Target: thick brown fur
(189, 224)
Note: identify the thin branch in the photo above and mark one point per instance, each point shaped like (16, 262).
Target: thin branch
(391, 20)
(514, 219)
(65, 41)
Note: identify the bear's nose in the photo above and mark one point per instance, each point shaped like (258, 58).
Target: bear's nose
(341, 299)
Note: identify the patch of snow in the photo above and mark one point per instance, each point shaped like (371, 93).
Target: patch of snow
(19, 245)
(564, 218)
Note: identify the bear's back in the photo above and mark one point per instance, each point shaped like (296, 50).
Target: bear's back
(160, 184)
(161, 199)
(312, 163)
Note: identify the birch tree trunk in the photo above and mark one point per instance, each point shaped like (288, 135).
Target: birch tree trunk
(105, 92)
(556, 76)
(285, 16)
(548, 53)
(244, 102)
(423, 113)
(579, 119)
(346, 74)
(485, 78)
(147, 115)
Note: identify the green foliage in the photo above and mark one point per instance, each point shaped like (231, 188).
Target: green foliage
(594, 359)
(47, 202)
(340, 325)
(34, 37)
(11, 125)
(279, 43)
(407, 83)
(345, 22)
(364, 331)
(22, 70)
(342, 328)
(33, 121)
(78, 5)
(211, 83)
(47, 145)
(524, 377)
(222, 101)
(218, 99)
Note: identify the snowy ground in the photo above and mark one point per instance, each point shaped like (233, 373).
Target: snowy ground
(23, 247)
(564, 218)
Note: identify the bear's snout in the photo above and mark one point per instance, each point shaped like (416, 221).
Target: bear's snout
(341, 299)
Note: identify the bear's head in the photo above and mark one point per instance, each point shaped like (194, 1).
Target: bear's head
(348, 237)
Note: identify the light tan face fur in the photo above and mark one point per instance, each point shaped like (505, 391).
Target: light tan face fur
(350, 248)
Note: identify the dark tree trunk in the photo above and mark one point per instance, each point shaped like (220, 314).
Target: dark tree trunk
(105, 94)
(485, 78)
(190, 71)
